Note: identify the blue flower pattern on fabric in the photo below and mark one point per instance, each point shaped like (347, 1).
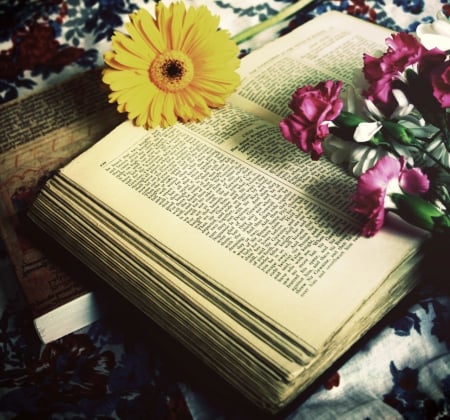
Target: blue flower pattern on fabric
(404, 325)
(47, 36)
(263, 10)
(440, 322)
(410, 401)
(101, 372)
(404, 394)
(411, 6)
(97, 17)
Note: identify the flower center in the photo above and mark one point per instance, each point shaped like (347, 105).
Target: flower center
(171, 71)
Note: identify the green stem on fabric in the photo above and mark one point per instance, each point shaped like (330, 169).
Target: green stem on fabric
(279, 17)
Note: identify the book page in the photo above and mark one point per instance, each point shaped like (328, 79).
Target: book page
(39, 134)
(254, 233)
(330, 46)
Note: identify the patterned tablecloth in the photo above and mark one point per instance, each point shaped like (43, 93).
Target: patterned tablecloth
(122, 366)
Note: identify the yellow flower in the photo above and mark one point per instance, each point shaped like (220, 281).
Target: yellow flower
(173, 67)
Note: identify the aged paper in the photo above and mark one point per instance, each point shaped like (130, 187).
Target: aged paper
(38, 135)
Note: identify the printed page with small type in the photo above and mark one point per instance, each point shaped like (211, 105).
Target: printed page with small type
(39, 134)
(331, 46)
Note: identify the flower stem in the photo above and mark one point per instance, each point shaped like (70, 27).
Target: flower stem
(279, 17)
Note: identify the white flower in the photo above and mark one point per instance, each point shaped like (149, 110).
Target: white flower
(348, 96)
(366, 130)
(436, 34)
(405, 151)
(353, 101)
(416, 124)
(372, 110)
(364, 157)
(337, 150)
(403, 108)
(359, 157)
(439, 151)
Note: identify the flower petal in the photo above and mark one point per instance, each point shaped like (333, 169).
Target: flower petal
(119, 80)
(414, 181)
(147, 28)
(171, 67)
(366, 130)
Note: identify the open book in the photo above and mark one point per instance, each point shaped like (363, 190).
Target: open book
(229, 237)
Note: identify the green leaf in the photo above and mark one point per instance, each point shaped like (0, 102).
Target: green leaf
(417, 211)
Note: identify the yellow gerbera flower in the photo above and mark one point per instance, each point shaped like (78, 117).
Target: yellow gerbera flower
(173, 67)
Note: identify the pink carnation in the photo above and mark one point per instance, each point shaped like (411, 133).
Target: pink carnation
(440, 80)
(374, 186)
(313, 108)
(382, 73)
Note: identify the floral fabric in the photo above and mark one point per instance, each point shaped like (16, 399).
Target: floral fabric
(120, 366)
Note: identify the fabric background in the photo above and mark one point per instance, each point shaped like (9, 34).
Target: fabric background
(124, 367)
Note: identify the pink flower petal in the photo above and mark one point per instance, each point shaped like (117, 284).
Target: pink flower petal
(414, 181)
(378, 177)
(371, 193)
(312, 107)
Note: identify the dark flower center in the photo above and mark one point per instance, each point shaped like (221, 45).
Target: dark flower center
(171, 71)
(174, 69)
